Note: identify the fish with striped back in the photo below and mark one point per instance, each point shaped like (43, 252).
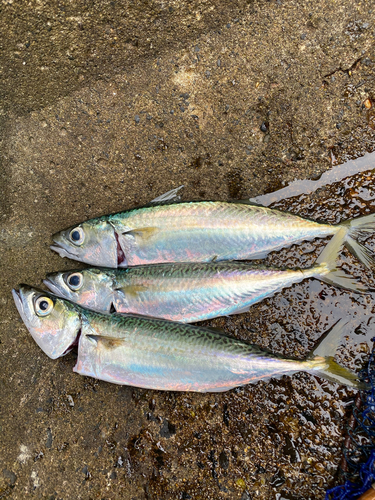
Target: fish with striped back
(164, 355)
(189, 292)
(202, 231)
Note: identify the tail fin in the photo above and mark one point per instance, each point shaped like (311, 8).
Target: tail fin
(322, 362)
(354, 228)
(334, 372)
(327, 267)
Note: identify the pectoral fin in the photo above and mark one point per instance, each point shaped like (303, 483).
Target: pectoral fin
(131, 290)
(143, 232)
(107, 342)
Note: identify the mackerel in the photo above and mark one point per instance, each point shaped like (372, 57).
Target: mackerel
(202, 231)
(163, 355)
(189, 292)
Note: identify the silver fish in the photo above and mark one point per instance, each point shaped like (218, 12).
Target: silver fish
(160, 354)
(189, 292)
(198, 232)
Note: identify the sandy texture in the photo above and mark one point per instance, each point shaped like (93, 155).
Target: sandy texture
(107, 105)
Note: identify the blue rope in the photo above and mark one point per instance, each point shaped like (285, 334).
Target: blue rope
(351, 491)
(360, 459)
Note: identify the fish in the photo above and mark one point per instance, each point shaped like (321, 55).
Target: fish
(192, 291)
(166, 230)
(164, 355)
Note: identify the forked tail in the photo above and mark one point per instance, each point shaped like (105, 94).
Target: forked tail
(322, 362)
(329, 272)
(355, 228)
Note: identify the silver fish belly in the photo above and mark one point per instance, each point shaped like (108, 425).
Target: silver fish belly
(157, 354)
(160, 354)
(185, 232)
(206, 231)
(184, 292)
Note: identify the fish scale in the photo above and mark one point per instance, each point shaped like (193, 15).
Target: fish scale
(189, 292)
(198, 232)
(159, 354)
(221, 230)
(163, 355)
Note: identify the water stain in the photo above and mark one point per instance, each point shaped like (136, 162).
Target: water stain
(234, 183)
(281, 439)
(200, 161)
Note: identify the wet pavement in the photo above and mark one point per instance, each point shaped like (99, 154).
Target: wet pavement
(105, 107)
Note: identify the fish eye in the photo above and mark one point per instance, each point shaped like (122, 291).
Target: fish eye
(43, 306)
(77, 236)
(75, 281)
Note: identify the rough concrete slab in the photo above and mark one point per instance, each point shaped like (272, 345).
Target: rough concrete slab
(107, 105)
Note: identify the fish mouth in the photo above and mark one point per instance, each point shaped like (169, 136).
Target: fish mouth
(19, 299)
(53, 287)
(63, 252)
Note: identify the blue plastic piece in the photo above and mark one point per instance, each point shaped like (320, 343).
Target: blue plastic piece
(360, 458)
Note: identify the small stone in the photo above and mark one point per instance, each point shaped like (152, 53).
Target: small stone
(49, 439)
(137, 119)
(263, 127)
(245, 496)
(10, 475)
(241, 483)
(223, 460)
(167, 429)
(368, 103)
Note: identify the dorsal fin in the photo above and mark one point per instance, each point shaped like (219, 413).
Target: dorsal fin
(217, 330)
(247, 201)
(168, 196)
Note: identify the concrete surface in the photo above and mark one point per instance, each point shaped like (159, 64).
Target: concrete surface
(107, 105)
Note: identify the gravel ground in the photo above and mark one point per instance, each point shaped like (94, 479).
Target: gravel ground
(107, 105)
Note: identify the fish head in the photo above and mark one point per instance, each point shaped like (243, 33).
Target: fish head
(93, 242)
(91, 288)
(54, 323)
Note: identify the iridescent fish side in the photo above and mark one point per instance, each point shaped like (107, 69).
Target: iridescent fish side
(189, 292)
(198, 232)
(164, 355)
